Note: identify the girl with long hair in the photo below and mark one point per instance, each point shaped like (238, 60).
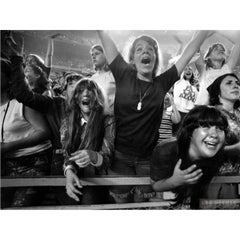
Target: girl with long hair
(225, 95)
(88, 138)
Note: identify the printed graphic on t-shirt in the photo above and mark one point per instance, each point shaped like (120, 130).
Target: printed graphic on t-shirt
(188, 94)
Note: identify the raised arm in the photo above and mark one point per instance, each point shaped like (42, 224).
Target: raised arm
(49, 54)
(23, 93)
(191, 48)
(109, 46)
(235, 53)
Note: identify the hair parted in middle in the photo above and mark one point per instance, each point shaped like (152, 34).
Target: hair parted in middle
(75, 138)
(153, 42)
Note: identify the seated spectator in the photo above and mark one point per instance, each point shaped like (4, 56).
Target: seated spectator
(25, 145)
(225, 95)
(187, 164)
(88, 140)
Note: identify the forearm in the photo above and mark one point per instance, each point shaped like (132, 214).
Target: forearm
(232, 150)
(176, 117)
(192, 47)
(163, 185)
(49, 55)
(109, 46)
(30, 141)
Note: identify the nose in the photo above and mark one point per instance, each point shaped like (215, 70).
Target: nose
(85, 92)
(213, 131)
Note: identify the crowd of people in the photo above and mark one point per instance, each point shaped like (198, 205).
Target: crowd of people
(128, 118)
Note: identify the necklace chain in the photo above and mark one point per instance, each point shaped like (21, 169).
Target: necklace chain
(139, 105)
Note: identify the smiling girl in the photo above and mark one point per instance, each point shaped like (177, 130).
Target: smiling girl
(186, 165)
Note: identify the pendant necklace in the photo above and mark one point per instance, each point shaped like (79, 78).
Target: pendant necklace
(141, 97)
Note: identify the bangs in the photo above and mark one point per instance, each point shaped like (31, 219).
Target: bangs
(209, 116)
(86, 84)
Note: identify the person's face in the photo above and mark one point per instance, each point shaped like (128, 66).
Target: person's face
(144, 57)
(30, 75)
(98, 58)
(229, 89)
(86, 101)
(218, 53)
(206, 142)
(188, 72)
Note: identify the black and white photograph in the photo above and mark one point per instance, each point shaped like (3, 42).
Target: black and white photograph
(108, 121)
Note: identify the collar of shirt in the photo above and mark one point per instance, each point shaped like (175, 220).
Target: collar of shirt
(83, 121)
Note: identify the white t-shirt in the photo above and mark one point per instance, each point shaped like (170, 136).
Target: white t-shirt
(184, 95)
(209, 76)
(106, 82)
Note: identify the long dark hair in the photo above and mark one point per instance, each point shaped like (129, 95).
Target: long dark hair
(75, 137)
(200, 116)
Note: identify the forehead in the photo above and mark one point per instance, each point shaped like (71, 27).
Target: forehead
(229, 78)
(142, 42)
(188, 68)
(95, 50)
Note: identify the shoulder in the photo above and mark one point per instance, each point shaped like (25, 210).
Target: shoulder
(167, 147)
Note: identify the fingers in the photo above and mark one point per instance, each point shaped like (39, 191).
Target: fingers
(81, 158)
(193, 177)
(178, 164)
(72, 192)
(190, 169)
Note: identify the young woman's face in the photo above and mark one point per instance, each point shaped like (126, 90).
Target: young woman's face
(144, 57)
(206, 142)
(188, 72)
(98, 58)
(86, 101)
(229, 89)
(30, 75)
(218, 53)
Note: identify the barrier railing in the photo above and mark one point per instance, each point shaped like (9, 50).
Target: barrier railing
(51, 181)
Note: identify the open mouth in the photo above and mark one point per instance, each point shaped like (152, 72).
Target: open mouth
(146, 60)
(211, 145)
(86, 102)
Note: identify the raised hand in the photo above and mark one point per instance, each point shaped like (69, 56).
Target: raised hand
(191, 175)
